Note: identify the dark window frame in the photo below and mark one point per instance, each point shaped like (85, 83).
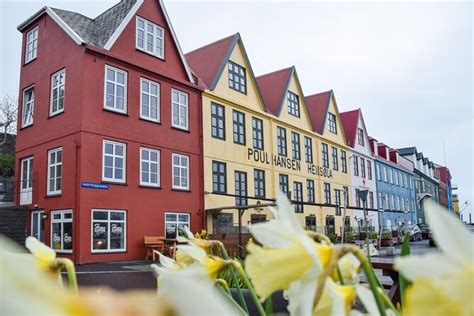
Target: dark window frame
(343, 161)
(298, 196)
(308, 149)
(218, 118)
(293, 104)
(325, 155)
(238, 123)
(234, 70)
(257, 133)
(327, 193)
(281, 141)
(282, 185)
(220, 175)
(332, 123)
(335, 159)
(259, 183)
(310, 190)
(295, 146)
(240, 185)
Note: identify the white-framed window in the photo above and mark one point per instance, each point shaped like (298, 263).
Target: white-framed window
(179, 112)
(37, 225)
(31, 47)
(174, 223)
(149, 100)
(28, 106)
(58, 84)
(26, 185)
(55, 163)
(149, 167)
(108, 230)
(180, 170)
(61, 231)
(115, 90)
(150, 38)
(114, 161)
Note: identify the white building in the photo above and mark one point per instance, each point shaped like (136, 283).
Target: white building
(362, 167)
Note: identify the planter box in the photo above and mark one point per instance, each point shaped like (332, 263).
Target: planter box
(386, 243)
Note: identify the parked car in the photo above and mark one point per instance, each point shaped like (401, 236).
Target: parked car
(414, 231)
(425, 230)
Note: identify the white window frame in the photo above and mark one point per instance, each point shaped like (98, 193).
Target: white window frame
(177, 222)
(55, 165)
(28, 120)
(109, 221)
(157, 51)
(26, 194)
(115, 83)
(180, 156)
(113, 164)
(180, 105)
(40, 224)
(33, 41)
(150, 162)
(58, 87)
(62, 220)
(149, 95)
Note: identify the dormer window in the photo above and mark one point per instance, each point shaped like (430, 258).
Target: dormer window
(237, 80)
(360, 136)
(150, 38)
(31, 47)
(293, 104)
(332, 123)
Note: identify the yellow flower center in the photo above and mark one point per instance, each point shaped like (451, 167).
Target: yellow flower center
(213, 266)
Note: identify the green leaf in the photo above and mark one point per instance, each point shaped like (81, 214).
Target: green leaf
(269, 306)
(404, 283)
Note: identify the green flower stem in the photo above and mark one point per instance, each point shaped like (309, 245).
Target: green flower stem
(387, 301)
(339, 275)
(71, 271)
(224, 254)
(319, 237)
(254, 296)
(223, 284)
(371, 278)
(229, 297)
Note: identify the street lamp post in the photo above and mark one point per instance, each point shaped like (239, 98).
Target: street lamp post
(363, 192)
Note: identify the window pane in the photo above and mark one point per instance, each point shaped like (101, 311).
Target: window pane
(117, 235)
(67, 236)
(102, 215)
(99, 234)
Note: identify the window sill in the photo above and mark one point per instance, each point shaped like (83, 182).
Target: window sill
(150, 54)
(24, 127)
(180, 190)
(115, 183)
(101, 252)
(55, 114)
(52, 195)
(115, 112)
(149, 120)
(144, 186)
(30, 61)
(181, 129)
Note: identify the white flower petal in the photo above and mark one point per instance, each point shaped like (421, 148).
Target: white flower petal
(272, 234)
(40, 250)
(191, 297)
(368, 300)
(287, 215)
(450, 234)
(188, 232)
(193, 251)
(301, 296)
(432, 265)
(167, 262)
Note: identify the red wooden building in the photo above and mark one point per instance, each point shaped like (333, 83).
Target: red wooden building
(109, 145)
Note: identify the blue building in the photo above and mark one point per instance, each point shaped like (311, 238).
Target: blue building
(395, 186)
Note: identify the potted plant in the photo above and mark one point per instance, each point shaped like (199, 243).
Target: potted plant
(386, 239)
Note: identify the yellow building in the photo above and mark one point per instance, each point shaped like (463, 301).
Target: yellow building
(259, 138)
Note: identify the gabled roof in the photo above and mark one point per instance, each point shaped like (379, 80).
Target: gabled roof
(318, 105)
(273, 87)
(104, 30)
(350, 121)
(206, 62)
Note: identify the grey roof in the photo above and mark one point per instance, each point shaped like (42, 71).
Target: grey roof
(97, 31)
(406, 151)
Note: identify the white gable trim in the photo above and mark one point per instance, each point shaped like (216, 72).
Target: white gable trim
(69, 31)
(181, 55)
(123, 24)
(75, 37)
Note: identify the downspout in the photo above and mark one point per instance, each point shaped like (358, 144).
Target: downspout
(76, 212)
(201, 162)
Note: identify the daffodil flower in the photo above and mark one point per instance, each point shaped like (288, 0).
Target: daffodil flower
(349, 267)
(336, 300)
(289, 259)
(443, 283)
(368, 300)
(44, 256)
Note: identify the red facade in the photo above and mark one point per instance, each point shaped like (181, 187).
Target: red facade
(83, 126)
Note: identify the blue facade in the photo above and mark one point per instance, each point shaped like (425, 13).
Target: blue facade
(395, 193)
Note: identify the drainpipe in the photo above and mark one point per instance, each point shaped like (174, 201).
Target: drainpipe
(76, 212)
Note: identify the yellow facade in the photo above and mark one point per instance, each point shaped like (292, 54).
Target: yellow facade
(245, 158)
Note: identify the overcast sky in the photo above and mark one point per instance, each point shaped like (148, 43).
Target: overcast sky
(407, 65)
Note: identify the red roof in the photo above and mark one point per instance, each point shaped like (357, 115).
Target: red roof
(350, 120)
(318, 105)
(206, 61)
(273, 87)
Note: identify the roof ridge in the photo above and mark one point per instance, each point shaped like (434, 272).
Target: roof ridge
(52, 8)
(350, 111)
(274, 72)
(120, 2)
(210, 44)
(316, 94)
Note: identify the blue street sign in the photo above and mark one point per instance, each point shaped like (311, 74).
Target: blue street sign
(93, 185)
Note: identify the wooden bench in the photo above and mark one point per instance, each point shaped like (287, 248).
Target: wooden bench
(153, 243)
(386, 265)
